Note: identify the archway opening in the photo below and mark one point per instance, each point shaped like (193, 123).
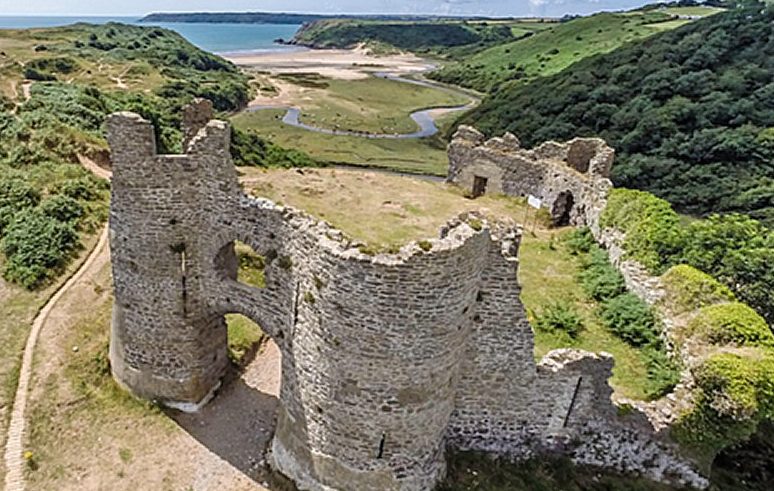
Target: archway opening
(245, 337)
(560, 211)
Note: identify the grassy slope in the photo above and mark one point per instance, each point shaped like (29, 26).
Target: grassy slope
(437, 37)
(386, 210)
(554, 49)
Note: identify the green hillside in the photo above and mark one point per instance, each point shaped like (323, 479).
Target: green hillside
(435, 37)
(690, 112)
(552, 50)
(57, 86)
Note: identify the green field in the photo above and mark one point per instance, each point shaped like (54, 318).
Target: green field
(425, 156)
(696, 11)
(553, 49)
(372, 105)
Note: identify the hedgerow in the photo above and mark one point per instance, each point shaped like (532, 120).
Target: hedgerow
(731, 323)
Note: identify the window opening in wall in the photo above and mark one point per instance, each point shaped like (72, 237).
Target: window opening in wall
(479, 186)
(560, 212)
(251, 266)
(572, 401)
(180, 250)
(380, 454)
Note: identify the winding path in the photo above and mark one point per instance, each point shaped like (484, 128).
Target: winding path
(14, 446)
(425, 118)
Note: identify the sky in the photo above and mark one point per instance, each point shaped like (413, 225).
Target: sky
(443, 7)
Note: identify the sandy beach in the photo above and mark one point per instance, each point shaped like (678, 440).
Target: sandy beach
(347, 64)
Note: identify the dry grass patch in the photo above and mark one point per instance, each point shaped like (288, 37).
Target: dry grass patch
(388, 211)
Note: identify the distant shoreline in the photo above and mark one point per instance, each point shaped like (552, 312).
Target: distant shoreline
(294, 18)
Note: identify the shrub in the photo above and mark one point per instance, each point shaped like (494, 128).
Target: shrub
(689, 289)
(735, 393)
(663, 372)
(81, 188)
(36, 246)
(15, 195)
(63, 208)
(731, 323)
(560, 317)
(579, 241)
(600, 280)
(737, 250)
(630, 319)
(651, 227)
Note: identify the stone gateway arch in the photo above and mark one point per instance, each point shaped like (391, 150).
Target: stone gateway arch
(387, 360)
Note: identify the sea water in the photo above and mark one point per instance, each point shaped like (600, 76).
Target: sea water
(217, 38)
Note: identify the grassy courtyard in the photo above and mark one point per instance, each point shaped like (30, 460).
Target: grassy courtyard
(388, 211)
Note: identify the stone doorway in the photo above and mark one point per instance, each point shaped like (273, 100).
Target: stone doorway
(479, 186)
(560, 211)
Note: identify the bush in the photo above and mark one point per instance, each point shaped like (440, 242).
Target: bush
(630, 319)
(579, 241)
(663, 373)
(737, 250)
(689, 289)
(249, 149)
(85, 188)
(15, 195)
(731, 323)
(560, 317)
(652, 229)
(600, 280)
(63, 208)
(36, 247)
(735, 393)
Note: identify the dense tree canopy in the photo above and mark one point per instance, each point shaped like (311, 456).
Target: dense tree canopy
(690, 112)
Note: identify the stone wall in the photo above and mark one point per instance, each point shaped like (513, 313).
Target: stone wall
(570, 178)
(387, 360)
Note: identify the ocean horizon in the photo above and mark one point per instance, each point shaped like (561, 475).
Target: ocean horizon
(216, 38)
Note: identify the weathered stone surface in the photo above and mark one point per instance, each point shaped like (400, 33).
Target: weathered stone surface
(568, 177)
(387, 360)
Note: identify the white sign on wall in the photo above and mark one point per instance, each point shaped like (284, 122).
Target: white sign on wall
(534, 202)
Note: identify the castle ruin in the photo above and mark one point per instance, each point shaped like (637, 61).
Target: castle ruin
(571, 179)
(388, 361)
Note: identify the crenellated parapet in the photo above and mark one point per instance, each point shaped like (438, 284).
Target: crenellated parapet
(387, 359)
(572, 179)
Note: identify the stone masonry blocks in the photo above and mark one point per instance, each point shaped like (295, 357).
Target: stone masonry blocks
(387, 360)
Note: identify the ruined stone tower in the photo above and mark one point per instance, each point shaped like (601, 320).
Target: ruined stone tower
(387, 360)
